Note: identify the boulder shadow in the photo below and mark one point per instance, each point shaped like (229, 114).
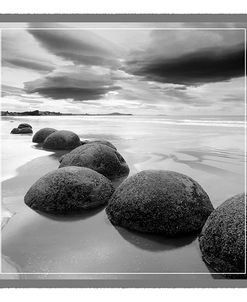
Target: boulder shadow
(155, 242)
(72, 216)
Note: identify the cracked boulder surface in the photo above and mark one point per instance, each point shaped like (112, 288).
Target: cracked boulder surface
(69, 190)
(96, 156)
(222, 240)
(159, 201)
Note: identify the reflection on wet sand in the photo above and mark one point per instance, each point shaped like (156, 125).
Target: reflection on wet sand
(198, 160)
(84, 214)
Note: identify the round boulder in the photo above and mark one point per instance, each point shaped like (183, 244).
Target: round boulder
(222, 240)
(21, 130)
(42, 134)
(68, 190)
(62, 140)
(24, 125)
(15, 131)
(103, 142)
(98, 157)
(158, 201)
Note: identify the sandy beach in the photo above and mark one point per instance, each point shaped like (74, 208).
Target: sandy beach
(210, 151)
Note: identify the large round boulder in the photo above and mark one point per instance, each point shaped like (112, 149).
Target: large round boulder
(24, 125)
(222, 240)
(158, 201)
(103, 142)
(42, 134)
(98, 157)
(69, 190)
(62, 140)
(21, 130)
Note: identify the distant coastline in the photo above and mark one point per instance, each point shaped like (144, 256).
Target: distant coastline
(51, 113)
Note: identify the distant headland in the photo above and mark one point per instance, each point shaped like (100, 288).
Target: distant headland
(45, 113)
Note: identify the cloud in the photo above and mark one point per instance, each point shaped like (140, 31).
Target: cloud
(78, 46)
(75, 93)
(11, 91)
(142, 71)
(190, 57)
(28, 63)
(204, 66)
(232, 99)
(21, 51)
(77, 83)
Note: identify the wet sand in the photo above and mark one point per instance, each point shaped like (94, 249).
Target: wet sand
(87, 243)
(84, 243)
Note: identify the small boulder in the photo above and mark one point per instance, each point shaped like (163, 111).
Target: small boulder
(42, 134)
(21, 130)
(103, 142)
(222, 240)
(24, 125)
(98, 157)
(62, 140)
(158, 201)
(69, 190)
(15, 131)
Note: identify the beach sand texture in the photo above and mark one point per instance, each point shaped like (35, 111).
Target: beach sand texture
(209, 151)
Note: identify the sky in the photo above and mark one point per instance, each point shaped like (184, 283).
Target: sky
(179, 70)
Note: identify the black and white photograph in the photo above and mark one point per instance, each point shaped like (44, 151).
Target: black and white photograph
(123, 150)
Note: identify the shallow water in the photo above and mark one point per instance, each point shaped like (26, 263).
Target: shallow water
(210, 150)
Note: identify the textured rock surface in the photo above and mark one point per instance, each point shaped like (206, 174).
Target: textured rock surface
(98, 157)
(103, 142)
(21, 130)
(24, 125)
(42, 134)
(222, 240)
(157, 201)
(69, 190)
(62, 140)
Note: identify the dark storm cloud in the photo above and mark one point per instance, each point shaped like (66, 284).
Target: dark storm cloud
(77, 83)
(80, 47)
(202, 66)
(75, 93)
